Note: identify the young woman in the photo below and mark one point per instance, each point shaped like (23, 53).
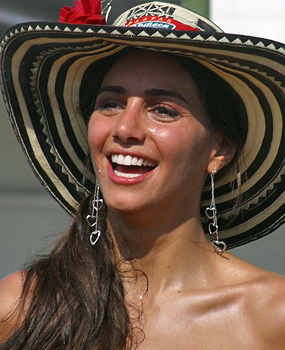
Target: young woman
(162, 116)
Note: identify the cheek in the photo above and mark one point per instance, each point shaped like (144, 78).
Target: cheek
(186, 153)
(97, 133)
(184, 142)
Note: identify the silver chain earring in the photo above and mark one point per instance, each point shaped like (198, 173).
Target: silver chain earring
(92, 219)
(211, 213)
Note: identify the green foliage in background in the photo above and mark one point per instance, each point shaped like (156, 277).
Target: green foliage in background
(199, 6)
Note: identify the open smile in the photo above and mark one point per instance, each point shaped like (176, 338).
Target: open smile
(129, 166)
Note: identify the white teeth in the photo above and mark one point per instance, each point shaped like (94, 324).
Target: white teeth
(140, 162)
(130, 176)
(135, 161)
(129, 160)
(120, 159)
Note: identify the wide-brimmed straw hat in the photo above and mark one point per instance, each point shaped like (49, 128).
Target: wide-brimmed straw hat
(43, 64)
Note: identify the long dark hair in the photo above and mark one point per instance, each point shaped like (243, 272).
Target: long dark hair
(74, 298)
(77, 295)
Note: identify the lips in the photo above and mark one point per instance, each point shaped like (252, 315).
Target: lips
(128, 166)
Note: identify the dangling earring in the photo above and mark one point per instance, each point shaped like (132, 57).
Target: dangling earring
(92, 219)
(211, 213)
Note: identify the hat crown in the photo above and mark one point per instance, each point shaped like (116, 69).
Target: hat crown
(161, 15)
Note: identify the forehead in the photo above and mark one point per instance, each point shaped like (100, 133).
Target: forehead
(149, 68)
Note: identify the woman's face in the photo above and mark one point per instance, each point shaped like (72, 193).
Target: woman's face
(148, 135)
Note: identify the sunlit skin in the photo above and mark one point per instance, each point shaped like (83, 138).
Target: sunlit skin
(157, 116)
(196, 299)
(148, 107)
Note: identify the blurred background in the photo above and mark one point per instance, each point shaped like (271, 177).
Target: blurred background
(30, 219)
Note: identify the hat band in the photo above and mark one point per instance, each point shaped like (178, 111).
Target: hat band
(159, 23)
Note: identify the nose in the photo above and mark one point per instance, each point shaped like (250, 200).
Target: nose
(129, 126)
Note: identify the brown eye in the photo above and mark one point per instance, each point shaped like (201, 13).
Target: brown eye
(164, 113)
(108, 107)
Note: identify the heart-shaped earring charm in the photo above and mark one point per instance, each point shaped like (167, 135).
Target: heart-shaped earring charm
(220, 246)
(210, 212)
(213, 228)
(95, 235)
(97, 204)
(91, 220)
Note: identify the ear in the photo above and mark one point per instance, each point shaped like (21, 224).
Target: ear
(222, 156)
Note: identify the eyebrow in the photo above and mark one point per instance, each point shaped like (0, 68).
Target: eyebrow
(149, 92)
(112, 88)
(164, 92)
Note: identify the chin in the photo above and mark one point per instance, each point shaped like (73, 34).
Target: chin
(124, 204)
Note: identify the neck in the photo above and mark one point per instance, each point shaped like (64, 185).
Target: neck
(170, 252)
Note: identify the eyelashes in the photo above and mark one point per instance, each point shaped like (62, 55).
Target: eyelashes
(109, 107)
(164, 112)
(159, 111)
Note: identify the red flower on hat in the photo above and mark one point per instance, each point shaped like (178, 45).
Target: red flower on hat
(84, 12)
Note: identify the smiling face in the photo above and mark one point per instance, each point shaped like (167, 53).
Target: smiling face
(149, 136)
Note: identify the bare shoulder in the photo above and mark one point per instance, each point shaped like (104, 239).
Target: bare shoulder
(264, 302)
(269, 307)
(10, 293)
(270, 294)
